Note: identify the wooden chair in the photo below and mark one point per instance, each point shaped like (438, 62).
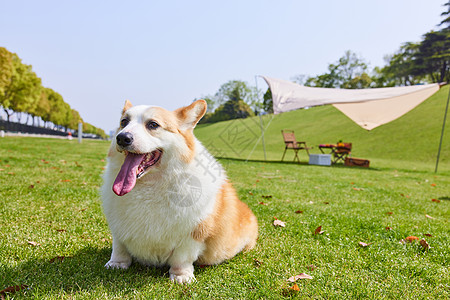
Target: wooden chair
(341, 152)
(291, 143)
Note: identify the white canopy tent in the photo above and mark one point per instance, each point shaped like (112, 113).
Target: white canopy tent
(369, 108)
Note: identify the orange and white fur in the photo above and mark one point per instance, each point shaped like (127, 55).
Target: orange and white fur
(166, 199)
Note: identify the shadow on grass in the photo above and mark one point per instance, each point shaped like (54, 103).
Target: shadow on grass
(83, 272)
(338, 165)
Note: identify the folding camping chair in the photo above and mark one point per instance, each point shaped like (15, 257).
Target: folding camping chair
(291, 143)
(341, 151)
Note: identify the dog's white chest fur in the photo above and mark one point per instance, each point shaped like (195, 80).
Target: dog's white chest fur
(162, 210)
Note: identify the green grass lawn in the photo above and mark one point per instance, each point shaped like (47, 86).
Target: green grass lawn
(54, 237)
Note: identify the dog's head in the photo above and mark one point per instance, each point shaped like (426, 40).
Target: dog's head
(148, 135)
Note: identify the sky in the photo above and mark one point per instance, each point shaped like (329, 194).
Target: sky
(97, 54)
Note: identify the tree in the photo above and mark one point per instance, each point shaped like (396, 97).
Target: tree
(6, 71)
(400, 68)
(446, 15)
(268, 102)
(348, 72)
(237, 90)
(433, 57)
(22, 90)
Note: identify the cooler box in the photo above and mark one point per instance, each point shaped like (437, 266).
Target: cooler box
(320, 159)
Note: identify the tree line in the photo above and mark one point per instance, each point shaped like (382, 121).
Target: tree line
(426, 61)
(22, 95)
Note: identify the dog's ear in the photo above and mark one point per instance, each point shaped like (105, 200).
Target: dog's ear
(127, 106)
(190, 115)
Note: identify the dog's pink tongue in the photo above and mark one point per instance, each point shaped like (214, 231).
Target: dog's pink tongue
(126, 179)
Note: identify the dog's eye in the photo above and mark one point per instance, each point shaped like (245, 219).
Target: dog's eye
(152, 125)
(124, 122)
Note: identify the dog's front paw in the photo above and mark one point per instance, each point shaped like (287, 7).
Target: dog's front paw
(182, 275)
(187, 278)
(117, 264)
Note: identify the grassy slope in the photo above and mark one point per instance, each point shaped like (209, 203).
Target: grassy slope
(414, 137)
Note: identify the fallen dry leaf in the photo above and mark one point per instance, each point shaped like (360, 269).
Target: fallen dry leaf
(66, 180)
(429, 217)
(61, 230)
(257, 263)
(295, 287)
(433, 184)
(250, 193)
(12, 289)
(57, 258)
(411, 238)
(319, 230)
(33, 243)
(436, 200)
(362, 244)
(279, 223)
(262, 203)
(299, 211)
(389, 213)
(31, 186)
(424, 244)
(326, 203)
(388, 228)
(311, 267)
(357, 189)
(427, 234)
(266, 196)
(299, 276)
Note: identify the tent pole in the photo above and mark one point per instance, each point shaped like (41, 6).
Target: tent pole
(260, 120)
(442, 132)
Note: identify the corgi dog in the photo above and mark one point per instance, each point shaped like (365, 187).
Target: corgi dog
(166, 199)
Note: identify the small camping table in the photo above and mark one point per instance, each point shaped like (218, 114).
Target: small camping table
(332, 147)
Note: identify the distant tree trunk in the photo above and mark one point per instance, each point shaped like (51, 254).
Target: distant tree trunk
(8, 115)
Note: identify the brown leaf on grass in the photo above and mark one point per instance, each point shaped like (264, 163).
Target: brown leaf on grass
(250, 193)
(299, 211)
(299, 276)
(266, 196)
(424, 244)
(295, 287)
(326, 203)
(429, 217)
(12, 290)
(311, 267)
(433, 184)
(61, 230)
(35, 244)
(389, 213)
(436, 200)
(279, 223)
(66, 180)
(388, 228)
(57, 258)
(257, 263)
(262, 203)
(11, 173)
(362, 244)
(31, 186)
(319, 230)
(411, 238)
(427, 234)
(358, 189)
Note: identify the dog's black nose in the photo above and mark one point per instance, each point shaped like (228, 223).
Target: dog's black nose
(124, 139)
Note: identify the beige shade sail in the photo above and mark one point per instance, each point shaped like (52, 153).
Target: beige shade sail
(369, 108)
